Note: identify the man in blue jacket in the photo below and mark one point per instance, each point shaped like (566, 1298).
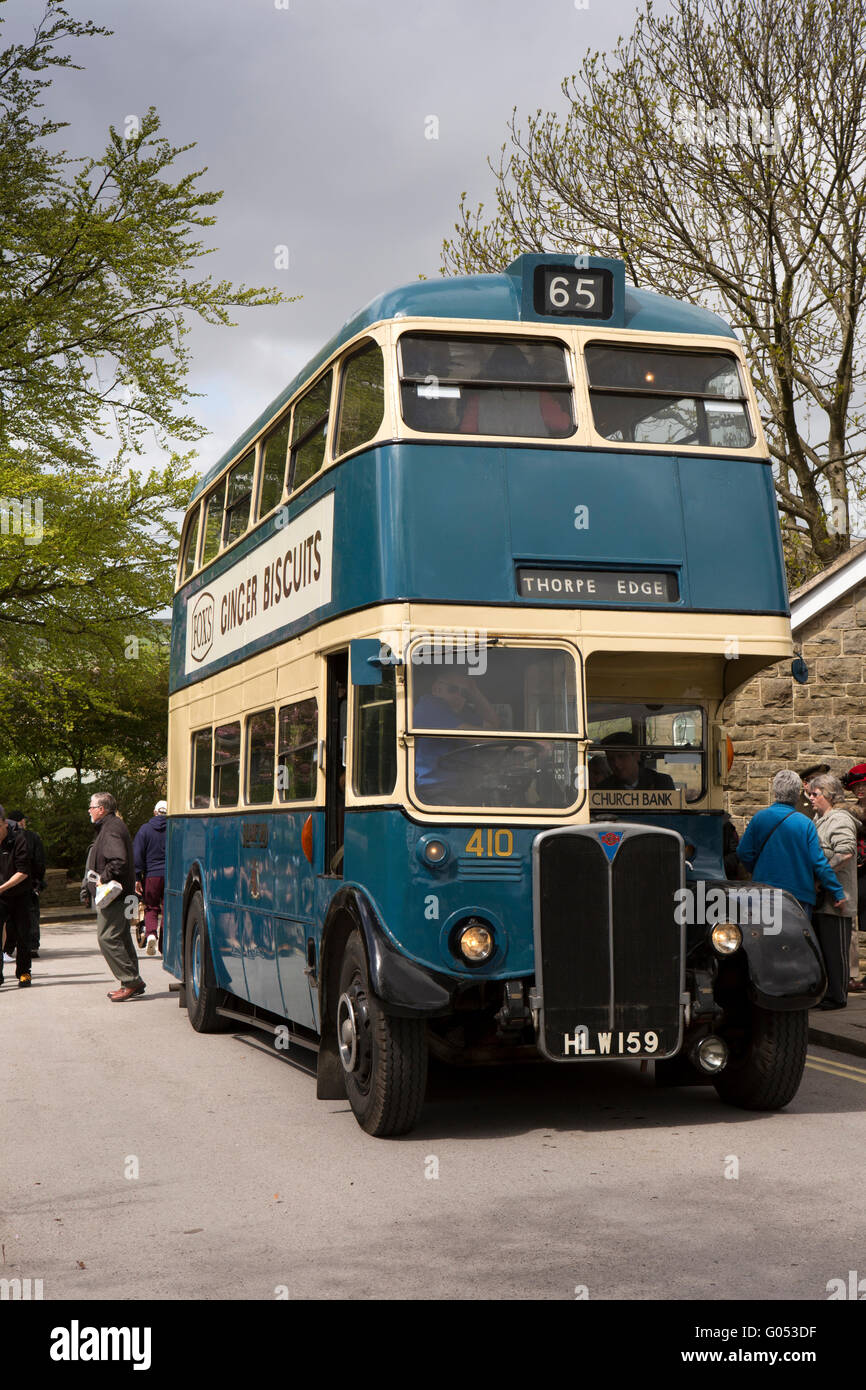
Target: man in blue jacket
(781, 847)
(149, 851)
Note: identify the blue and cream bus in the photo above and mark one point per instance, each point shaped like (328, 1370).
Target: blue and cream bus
(455, 622)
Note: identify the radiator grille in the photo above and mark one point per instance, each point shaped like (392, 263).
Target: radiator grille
(609, 953)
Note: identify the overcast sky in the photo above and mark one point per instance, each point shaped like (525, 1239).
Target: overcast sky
(311, 116)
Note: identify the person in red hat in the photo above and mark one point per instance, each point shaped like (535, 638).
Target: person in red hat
(855, 781)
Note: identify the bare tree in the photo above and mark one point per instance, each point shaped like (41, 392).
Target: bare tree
(720, 151)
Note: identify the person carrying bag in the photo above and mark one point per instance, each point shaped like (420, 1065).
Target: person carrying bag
(110, 864)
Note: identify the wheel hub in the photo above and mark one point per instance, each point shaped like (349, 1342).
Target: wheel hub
(347, 1032)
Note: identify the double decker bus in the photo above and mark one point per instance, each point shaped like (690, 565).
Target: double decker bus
(454, 625)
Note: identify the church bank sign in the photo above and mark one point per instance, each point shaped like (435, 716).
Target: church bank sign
(283, 579)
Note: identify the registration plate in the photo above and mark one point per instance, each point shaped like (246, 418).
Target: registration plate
(586, 1042)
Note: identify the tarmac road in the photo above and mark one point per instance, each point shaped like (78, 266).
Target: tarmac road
(142, 1160)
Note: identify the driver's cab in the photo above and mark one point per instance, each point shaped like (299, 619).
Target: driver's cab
(494, 722)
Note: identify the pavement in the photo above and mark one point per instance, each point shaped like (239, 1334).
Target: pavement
(842, 1030)
(153, 1163)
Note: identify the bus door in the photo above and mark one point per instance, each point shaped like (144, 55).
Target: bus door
(335, 763)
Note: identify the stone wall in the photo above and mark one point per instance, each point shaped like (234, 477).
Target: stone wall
(775, 723)
(59, 890)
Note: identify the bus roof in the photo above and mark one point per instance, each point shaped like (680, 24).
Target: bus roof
(481, 297)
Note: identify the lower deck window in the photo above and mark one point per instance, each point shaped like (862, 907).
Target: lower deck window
(261, 741)
(647, 747)
(296, 759)
(202, 741)
(227, 764)
(375, 758)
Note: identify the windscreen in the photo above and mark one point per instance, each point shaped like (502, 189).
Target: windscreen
(512, 722)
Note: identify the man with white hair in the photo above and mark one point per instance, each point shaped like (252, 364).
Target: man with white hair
(781, 847)
(109, 866)
(149, 851)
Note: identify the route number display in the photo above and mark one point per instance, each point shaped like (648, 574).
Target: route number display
(562, 290)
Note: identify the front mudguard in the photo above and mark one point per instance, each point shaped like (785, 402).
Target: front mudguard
(403, 987)
(783, 959)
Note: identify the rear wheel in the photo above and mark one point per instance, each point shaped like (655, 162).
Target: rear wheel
(384, 1059)
(202, 999)
(767, 1059)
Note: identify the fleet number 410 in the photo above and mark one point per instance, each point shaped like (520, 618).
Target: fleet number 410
(499, 843)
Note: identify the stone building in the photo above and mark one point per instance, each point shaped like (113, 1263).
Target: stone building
(776, 722)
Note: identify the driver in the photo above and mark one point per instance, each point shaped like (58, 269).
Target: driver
(626, 770)
(456, 701)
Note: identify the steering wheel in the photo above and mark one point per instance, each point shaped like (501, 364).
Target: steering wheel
(504, 785)
(487, 760)
(487, 751)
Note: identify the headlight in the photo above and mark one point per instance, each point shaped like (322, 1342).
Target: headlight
(726, 938)
(710, 1054)
(474, 940)
(432, 851)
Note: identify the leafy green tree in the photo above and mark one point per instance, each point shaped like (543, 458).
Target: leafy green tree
(86, 720)
(720, 151)
(98, 283)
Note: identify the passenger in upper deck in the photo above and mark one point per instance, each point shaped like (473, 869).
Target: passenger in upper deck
(627, 772)
(525, 411)
(519, 413)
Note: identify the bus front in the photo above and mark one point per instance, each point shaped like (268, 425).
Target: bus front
(592, 505)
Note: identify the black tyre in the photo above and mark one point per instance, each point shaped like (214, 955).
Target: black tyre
(384, 1059)
(768, 1055)
(202, 999)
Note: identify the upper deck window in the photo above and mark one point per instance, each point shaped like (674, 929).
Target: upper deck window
(190, 544)
(274, 452)
(310, 430)
(239, 496)
(471, 385)
(214, 508)
(652, 396)
(362, 399)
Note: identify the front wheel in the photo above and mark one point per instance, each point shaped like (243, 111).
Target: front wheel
(384, 1059)
(767, 1060)
(202, 999)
